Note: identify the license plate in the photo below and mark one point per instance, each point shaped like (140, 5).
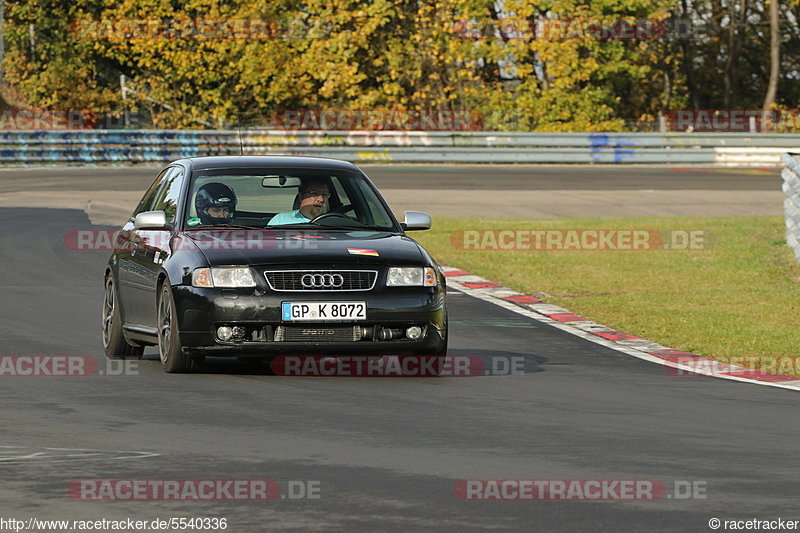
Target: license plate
(323, 311)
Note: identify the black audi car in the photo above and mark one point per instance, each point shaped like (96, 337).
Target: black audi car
(260, 256)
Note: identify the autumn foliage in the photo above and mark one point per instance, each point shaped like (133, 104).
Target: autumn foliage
(555, 65)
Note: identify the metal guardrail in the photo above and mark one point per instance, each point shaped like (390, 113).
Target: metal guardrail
(791, 205)
(156, 146)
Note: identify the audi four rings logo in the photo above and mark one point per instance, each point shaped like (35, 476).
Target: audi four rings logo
(322, 280)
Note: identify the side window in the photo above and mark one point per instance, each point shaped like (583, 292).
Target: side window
(147, 199)
(169, 194)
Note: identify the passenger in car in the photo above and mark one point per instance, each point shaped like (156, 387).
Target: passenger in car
(215, 204)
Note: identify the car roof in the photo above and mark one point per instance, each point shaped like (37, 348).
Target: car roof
(274, 161)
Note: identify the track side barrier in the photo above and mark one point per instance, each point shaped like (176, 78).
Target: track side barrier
(791, 205)
(89, 147)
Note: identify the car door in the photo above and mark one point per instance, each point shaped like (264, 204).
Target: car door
(154, 245)
(127, 247)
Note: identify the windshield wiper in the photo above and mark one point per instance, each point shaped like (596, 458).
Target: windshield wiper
(293, 226)
(223, 226)
(306, 225)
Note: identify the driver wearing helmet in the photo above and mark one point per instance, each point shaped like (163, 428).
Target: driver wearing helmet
(215, 204)
(313, 197)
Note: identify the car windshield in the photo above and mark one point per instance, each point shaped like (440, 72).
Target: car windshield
(270, 197)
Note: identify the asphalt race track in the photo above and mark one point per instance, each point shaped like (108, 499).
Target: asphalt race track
(385, 453)
(516, 191)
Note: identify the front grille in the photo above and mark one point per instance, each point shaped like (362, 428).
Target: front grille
(343, 280)
(314, 334)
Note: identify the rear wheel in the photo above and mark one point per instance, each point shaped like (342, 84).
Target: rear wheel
(173, 359)
(114, 343)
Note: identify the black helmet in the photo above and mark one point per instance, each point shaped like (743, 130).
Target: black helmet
(214, 195)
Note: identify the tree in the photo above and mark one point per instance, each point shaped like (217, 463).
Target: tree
(774, 56)
(553, 65)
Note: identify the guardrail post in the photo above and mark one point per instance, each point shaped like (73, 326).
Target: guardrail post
(791, 205)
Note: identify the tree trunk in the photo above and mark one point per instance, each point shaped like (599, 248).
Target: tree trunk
(735, 36)
(775, 58)
(687, 63)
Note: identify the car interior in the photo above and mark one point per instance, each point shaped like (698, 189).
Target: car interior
(259, 198)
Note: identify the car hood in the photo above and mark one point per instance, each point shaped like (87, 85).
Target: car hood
(275, 246)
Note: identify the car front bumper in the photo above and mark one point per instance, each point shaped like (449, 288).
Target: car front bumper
(202, 311)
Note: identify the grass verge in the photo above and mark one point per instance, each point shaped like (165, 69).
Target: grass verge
(735, 294)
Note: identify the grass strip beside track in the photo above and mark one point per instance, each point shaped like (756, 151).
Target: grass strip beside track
(737, 295)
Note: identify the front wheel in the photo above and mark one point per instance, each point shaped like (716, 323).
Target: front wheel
(433, 360)
(173, 360)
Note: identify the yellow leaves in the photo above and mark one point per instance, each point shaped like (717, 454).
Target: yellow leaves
(341, 53)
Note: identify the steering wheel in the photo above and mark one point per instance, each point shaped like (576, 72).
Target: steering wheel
(343, 209)
(329, 215)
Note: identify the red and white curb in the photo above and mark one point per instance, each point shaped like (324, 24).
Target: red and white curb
(560, 318)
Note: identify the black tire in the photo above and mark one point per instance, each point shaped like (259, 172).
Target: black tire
(114, 343)
(173, 360)
(435, 358)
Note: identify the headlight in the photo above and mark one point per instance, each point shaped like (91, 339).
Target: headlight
(223, 277)
(411, 277)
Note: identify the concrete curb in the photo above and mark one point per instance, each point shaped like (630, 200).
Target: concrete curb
(683, 363)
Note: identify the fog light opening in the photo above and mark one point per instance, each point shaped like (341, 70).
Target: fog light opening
(414, 333)
(224, 333)
(238, 333)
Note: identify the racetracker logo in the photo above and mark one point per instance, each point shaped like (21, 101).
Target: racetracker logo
(561, 29)
(760, 367)
(173, 489)
(45, 119)
(106, 240)
(733, 120)
(579, 239)
(395, 366)
(205, 29)
(64, 366)
(591, 490)
(47, 365)
(378, 120)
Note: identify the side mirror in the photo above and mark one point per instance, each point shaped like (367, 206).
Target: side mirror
(151, 220)
(416, 220)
